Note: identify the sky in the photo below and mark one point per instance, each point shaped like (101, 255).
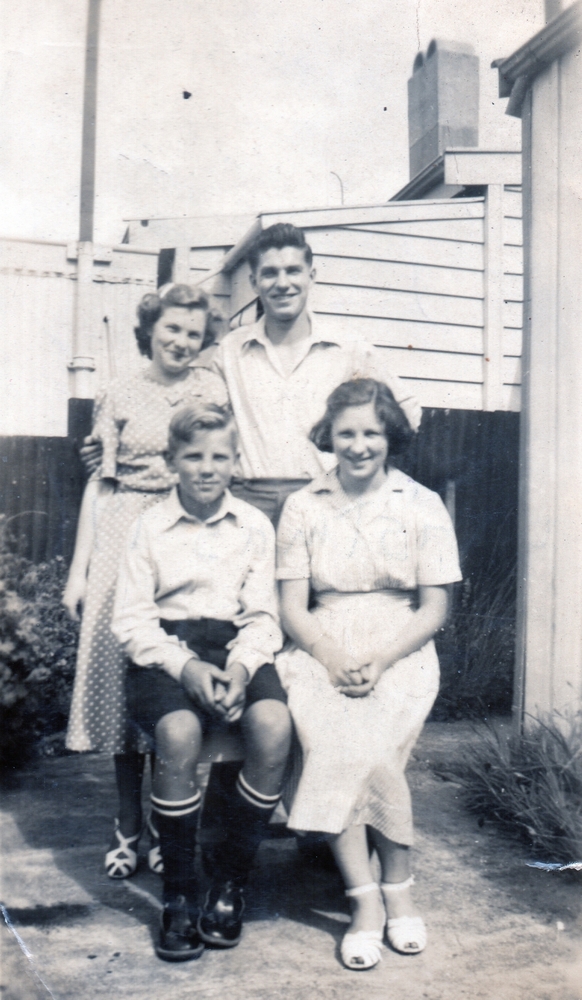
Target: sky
(285, 94)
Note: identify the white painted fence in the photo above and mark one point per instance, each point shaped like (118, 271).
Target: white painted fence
(38, 282)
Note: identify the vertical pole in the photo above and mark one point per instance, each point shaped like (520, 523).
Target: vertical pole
(82, 365)
(566, 687)
(540, 472)
(493, 326)
(550, 608)
(451, 500)
(89, 125)
(523, 497)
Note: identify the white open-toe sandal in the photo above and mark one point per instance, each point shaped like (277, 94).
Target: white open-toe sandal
(406, 934)
(155, 862)
(363, 949)
(121, 861)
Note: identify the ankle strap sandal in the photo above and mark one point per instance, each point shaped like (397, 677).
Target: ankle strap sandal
(406, 934)
(121, 861)
(362, 950)
(155, 862)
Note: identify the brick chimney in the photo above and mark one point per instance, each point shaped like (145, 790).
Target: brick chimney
(443, 102)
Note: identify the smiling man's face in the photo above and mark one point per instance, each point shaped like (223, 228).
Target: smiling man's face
(282, 282)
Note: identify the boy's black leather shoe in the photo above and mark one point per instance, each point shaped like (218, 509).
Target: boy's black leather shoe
(220, 922)
(179, 940)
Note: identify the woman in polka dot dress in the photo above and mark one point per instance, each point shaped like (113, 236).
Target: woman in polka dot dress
(131, 423)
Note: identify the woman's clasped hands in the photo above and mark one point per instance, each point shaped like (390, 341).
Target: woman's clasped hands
(345, 673)
(370, 674)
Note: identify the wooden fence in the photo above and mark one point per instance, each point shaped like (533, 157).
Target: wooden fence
(41, 482)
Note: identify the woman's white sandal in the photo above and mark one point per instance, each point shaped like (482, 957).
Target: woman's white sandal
(406, 934)
(121, 861)
(155, 862)
(363, 949)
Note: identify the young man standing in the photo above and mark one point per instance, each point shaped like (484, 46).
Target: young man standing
(280, 370)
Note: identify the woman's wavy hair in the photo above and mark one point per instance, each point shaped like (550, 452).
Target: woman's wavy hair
(359, 392)
(154, 304)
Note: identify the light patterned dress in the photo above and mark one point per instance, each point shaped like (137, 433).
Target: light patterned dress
(131, 420)
(365, 558)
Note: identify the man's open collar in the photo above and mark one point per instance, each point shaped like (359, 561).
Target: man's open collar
(174, 511)
(256, 333)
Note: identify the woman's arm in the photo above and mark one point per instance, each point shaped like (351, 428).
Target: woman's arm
(301, 626)
(431, 614)
(74, 593)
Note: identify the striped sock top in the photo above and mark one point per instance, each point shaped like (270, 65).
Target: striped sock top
(255, 798)
(183, 807)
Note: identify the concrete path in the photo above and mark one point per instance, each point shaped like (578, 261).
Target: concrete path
(497, 929)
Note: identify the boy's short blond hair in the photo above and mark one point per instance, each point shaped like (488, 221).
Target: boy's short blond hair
(190, 420)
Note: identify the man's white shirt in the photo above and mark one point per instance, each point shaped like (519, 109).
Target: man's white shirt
(275, 411)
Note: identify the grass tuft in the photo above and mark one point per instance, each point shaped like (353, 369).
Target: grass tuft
(530, 785)
(477, 645)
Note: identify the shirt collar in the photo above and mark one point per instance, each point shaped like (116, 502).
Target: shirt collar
(328, 482)
(257, 333)
(175, 512)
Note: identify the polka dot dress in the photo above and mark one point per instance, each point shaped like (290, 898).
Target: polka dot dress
(131, 420)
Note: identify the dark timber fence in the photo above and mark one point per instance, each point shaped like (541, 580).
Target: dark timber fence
(479, 452)
(41, 483)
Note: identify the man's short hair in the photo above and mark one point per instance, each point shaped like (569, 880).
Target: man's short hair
(282, 234)
(188, 421)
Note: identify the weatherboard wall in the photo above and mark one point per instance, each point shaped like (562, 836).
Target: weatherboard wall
(413, 279)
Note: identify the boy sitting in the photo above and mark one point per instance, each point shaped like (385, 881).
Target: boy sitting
(196, 611)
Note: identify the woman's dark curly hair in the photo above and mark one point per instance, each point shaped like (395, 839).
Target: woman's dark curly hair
(359, 392)
(153, 305)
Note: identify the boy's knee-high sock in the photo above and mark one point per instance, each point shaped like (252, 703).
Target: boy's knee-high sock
(176, 823)
(248, 815)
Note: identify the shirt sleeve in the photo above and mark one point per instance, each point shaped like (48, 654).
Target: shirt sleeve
(436, 544)
(293, 561)
(213, 387)
(259, 636)
(374, 362)
(136, 617)
(106, 429)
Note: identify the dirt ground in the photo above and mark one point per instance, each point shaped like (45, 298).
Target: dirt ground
(497, 929)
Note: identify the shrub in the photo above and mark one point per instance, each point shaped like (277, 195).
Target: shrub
(37, 651)
(530, 785)
(477, 645)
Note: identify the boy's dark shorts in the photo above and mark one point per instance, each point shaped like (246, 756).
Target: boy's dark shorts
(152, 693)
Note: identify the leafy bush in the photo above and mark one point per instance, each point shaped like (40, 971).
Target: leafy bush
(477, 646)
(530, 785)
(37, 652)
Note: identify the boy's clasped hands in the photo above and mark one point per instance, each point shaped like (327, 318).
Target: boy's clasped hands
(221, 692)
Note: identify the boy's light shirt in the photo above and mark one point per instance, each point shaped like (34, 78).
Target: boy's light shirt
(177, 567)
(275, 412)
